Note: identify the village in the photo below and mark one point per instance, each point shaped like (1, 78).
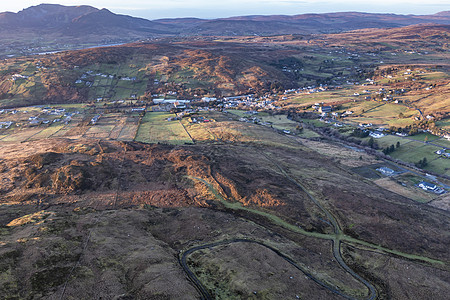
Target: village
(269, 111)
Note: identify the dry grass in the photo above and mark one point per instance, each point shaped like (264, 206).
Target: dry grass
(408, 192)
(345, 156)
(31, 218)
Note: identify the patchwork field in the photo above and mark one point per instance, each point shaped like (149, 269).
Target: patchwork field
(155, 128)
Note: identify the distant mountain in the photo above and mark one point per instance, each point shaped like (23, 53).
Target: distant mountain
(302, 24)
(74, 25)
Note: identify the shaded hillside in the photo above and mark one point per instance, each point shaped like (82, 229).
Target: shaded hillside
(218, 67)
(301, 24)
(409, 37)
(188, 68)
(84, 213)
(55, 27)
(75, 24)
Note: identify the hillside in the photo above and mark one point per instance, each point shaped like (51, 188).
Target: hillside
(144, 68)
(412, 37)
(217, 66)
(253, 157)
(82, 212)
(49, 27)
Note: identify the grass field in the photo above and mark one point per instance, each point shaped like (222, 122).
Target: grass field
(439, 165)
(386, 114)
(412, 149)
(129, 130)
(442, 142)
(226, 130)
(280, 122)
(444, 124)
(326, 97)
(47, 132)
(409, 190)
(20, 135)
(155, 129)
(389, 140)
(425, 136)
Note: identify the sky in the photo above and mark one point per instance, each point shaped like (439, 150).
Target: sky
(208, 9)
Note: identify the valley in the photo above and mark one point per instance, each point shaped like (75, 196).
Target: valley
(309, 165)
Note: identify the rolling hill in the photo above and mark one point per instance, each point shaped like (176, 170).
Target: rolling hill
(219, 67)
(55, 27)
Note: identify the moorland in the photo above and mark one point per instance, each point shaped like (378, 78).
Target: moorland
(289, 166)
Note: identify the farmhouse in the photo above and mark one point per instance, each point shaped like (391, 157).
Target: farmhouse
(325, 109)
(429, 187)
(5, 124)
(376, 134)
(401, 134)
(94, 120)
(386, 171)
(441, 151)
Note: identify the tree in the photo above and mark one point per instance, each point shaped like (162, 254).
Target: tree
(413, 131)
(422, 163)
(401, 116)
(398, 144)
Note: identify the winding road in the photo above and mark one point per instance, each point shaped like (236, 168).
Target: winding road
(204, 292)
(335, 238)
(337, 231)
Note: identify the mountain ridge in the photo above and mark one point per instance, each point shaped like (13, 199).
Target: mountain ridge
(50, 27)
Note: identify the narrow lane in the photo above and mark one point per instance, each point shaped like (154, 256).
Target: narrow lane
(204, 292)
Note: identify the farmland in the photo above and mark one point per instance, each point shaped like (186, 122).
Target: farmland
(132, 171)
(211, 156)
(155, 128)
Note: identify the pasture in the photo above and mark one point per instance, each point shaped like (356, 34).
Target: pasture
(155, 128)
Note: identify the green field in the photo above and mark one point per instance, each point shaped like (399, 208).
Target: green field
(155, 129)
(47, 132)
(442, 142)
(279, 122)
(439, 165)
(389, 140)
(412, 149)
(424, 136)
(386, 114)
(444, 124)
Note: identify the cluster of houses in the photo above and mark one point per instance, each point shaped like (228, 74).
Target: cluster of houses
(250, 101)
(63, 117)
(169, 104)
(86, 78)
(19, 76)
(199, 119)
(6, 124)
(376, 134)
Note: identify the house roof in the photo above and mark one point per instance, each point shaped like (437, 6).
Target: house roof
(427, 185)
(385, 169)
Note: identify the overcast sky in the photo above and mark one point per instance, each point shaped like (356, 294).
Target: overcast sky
(155, 9)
